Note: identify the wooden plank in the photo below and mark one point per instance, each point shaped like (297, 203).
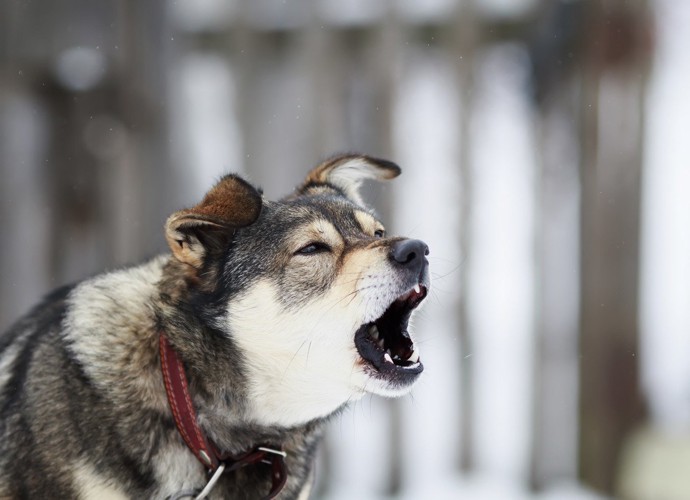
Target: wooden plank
(612, 125)
(462, 36)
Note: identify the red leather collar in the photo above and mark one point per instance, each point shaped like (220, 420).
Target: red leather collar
(177, 390)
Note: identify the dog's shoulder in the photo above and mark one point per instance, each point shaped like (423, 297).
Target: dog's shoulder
(72, 371)
(110, 323)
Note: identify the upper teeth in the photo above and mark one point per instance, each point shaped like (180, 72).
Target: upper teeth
(414, 358)
(374, 332)
(417, 288)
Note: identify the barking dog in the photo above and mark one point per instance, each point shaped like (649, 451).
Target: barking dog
(212, 370)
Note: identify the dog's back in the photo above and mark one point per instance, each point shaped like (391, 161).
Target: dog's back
(28, 352)
(64, 388)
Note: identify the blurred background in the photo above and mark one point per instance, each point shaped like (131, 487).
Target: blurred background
(545, 147)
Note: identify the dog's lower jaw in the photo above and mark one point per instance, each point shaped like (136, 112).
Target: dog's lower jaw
(379, 384)
(388, 389)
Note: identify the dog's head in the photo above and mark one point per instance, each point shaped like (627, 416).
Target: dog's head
(310, 289)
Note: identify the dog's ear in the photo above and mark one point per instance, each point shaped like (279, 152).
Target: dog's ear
(347, 172)
(203, 230)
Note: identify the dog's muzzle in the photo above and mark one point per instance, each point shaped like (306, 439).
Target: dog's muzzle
(385, 343)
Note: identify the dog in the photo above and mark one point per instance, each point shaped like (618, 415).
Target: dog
(211, 371)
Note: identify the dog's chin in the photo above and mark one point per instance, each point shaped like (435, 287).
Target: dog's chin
(387, 353)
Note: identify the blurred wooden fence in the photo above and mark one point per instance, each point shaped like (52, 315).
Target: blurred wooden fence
(96, 149)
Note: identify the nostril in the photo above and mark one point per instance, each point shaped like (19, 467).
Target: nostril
(408, 252)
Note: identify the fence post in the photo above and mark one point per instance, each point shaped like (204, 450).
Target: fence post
(463, 35)
(615, 70)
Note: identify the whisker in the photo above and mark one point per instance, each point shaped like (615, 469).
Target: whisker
(445, 275)
(349, 295)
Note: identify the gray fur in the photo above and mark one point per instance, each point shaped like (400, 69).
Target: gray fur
(83, 411)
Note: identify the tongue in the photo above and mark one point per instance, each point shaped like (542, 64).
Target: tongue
(402, 348)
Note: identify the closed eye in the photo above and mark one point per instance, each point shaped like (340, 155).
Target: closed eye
(313, 248)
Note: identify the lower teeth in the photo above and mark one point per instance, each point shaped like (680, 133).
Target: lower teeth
(378, 338)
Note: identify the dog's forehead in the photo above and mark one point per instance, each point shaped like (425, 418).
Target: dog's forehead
(348, 219)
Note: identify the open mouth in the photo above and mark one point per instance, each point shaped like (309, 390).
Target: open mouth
(386, 344)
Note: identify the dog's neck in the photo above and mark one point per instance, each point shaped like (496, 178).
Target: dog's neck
(216, 387)
(216, 376)
(216, 373)
(221, 427)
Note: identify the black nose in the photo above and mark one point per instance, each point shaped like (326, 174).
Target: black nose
(409, 253)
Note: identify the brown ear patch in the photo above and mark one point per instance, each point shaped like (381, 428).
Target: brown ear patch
(233, 202)
(195, 233)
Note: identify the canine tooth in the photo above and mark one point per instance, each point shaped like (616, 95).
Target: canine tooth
(414, 358)
(374, 332)
(417, 288)
(387, 357)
